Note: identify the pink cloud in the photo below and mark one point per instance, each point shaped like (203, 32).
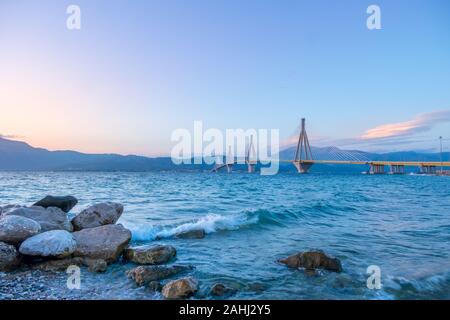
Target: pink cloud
(420, 123)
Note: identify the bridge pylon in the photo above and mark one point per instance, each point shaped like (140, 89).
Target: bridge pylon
(303, 156)
(229, 161)
(250, 151)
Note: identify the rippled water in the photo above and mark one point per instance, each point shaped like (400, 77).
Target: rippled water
(399, 223)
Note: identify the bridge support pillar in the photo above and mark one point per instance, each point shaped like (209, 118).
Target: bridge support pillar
(302, 167)
(428, 169)
(376, 168)
(397, 169)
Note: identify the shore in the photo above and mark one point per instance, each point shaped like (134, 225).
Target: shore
(46, 255)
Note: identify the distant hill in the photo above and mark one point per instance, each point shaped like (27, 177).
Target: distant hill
(20, 156)
(15, 155)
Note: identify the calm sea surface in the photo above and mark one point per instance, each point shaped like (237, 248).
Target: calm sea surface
(399, 223)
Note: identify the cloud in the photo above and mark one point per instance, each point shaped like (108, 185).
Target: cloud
(421, 123)
(407, 135)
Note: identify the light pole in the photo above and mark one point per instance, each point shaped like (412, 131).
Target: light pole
(442, 169)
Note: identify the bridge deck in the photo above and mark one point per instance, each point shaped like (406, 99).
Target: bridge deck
(386, 163)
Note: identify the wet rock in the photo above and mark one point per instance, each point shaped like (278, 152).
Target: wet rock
(145, 274)
(180, 289)
(98, 215)
(50, 218)
(221, 290)
(150, 254)
(96, 265)
(155, 286)
(313, 260)
(191, 234)
(9, 207)
(16, 229)
(59, 265)
(55, 243)
(64, 203)
(9, 257)
(105, 242)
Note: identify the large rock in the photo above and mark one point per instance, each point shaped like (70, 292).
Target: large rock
(64, 203)
(180, 289)
(98, 215)
(16, 229)
(9, 257)
(191, 234)
(55, 243)
(145, 274)
(105, 242)
(313, 260)
(49, 218)
(150, 254)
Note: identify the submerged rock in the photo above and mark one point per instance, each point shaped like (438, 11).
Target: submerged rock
(150, 254)
(65, 203)
(55, 243)
(312, 260)
(220, 290)
(180, 289)
(105, 242)
(9, 257)
(145, 274)
(155, 286)
(16, 229)
(98, 215)
(256, 287)
(50, 218)
(191, 234)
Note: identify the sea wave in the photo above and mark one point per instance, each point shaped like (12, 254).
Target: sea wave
(435, 286)
(209, 223)
(257, 218)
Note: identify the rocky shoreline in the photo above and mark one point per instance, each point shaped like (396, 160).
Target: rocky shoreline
(39, 243)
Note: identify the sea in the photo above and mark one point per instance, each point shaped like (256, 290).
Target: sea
(396, 224)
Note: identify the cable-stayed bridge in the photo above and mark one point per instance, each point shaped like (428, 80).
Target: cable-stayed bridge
(304, 159)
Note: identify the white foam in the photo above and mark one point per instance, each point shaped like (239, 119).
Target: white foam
(210, 223)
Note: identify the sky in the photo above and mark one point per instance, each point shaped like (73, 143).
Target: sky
(138, 70)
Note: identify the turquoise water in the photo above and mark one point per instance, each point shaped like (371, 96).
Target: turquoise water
(399, 223)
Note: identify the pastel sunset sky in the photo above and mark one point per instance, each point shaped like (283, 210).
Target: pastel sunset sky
(137, 70)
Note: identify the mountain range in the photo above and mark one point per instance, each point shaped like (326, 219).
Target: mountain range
(20, 156)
